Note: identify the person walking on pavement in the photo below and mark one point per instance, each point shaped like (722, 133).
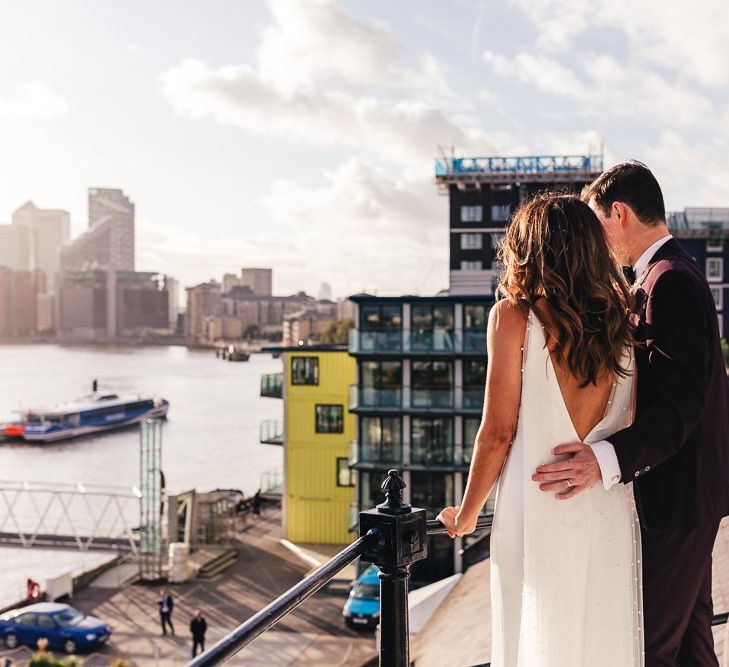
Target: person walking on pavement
(257, 503)
(198, 627)
(166, 604)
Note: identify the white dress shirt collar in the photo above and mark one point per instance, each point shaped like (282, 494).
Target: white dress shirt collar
(647, 256)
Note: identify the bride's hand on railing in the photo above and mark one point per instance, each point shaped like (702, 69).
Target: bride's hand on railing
(456, 525)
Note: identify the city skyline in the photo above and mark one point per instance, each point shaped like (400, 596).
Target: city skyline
(301, 136)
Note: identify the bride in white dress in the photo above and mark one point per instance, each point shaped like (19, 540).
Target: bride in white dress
(565, 576)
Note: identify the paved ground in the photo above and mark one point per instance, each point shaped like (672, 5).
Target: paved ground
(313, 635)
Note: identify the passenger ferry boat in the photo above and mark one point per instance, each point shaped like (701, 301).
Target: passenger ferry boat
(90, 415)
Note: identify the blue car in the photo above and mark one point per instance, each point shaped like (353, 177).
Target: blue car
(63, 626)
(362, 608)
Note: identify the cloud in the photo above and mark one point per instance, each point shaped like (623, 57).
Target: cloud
(599, 84)
(652, 76)
(687, 38)
(362, 227)
(323, 77)
(313, 44)
(36, 101)
(674, 152)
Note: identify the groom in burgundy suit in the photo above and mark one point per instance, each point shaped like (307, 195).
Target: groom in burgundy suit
(676, 453)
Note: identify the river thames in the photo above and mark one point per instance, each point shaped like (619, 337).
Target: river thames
(209, 441)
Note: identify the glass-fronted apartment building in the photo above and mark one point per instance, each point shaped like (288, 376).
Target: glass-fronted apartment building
(704, 233)
(418, 397)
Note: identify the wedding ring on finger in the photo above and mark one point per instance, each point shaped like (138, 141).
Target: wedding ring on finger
(569, 483)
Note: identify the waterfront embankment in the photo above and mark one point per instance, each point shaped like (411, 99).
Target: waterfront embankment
(314, 634)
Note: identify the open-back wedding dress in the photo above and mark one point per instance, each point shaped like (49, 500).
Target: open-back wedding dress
(565, 574)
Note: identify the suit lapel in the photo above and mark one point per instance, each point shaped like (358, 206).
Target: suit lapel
(669, 249)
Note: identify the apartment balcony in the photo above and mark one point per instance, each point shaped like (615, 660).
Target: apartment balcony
(429, 398)
(400, 342)
(375, 398)
(272, 385)
(415, 399)
(374, 455)
(432, 342)
(271, 432)
(375, 342)
(430, 457)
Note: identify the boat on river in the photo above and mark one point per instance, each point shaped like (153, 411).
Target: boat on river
(95, 413)
(12, 430)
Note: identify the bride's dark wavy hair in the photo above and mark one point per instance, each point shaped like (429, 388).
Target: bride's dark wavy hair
(555, 248)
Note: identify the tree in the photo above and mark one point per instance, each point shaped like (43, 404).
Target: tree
(337, 332)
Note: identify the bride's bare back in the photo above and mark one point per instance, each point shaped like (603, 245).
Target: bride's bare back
(586, 405)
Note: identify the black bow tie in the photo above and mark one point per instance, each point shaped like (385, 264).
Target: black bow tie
(629, 273)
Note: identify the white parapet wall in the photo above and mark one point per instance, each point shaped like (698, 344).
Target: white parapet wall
(423, 603)
(58, 586)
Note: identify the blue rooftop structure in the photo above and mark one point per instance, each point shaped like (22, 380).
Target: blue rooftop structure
(522, 168)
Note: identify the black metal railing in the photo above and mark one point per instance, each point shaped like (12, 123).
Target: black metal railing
(393, 535)
(257, 624)
(721, 619)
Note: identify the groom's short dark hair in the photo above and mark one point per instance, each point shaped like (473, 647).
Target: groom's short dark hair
(633, 184)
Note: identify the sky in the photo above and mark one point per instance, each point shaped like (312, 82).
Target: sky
(301, 134)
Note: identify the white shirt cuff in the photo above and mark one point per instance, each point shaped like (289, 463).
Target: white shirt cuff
(607, 459)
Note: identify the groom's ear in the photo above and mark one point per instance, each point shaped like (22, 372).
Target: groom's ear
(620, 212)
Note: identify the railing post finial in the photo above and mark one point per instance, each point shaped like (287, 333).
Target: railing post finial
(394, 501)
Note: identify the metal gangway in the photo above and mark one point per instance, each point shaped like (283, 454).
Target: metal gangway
(80, 516)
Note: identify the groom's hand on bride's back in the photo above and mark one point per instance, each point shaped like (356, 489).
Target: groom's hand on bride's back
(572, 475)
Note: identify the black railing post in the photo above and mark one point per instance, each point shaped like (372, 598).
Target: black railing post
(402, 540)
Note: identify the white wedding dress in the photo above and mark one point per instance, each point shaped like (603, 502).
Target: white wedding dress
(565, 574)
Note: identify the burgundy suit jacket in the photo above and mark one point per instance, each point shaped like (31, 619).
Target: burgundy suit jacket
(676, 453)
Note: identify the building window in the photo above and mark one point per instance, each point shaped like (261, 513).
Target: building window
(475, 318)
(721, 326)
(344, 474)
(432, 384)
(432, 328)
(714, 269)
(471, 266)
(380, 318)
(431, 440)
(471, 213)
(715, 244)
(431, 490)
(380, 384)
(305, 370)
(370, 489)
(718, 294)
(470, 429)
(329, 418)
(500, 212)
(471, 241)
(496, 240)
(380, 374)
(474, 379)
(380, 439)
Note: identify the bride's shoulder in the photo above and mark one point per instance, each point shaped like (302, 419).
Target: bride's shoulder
(508, 318)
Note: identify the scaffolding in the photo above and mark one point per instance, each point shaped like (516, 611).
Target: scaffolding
(476, 171)
(151, 544)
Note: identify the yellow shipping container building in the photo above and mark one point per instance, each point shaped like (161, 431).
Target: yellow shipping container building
(317, 430)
